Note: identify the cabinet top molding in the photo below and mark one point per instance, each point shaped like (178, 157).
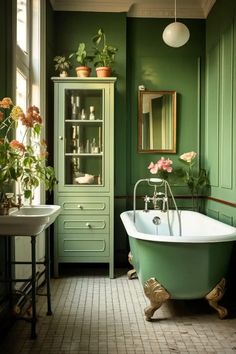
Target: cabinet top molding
(83, 79)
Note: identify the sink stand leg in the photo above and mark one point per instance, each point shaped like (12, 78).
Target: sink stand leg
(47, 271)
(33, 280)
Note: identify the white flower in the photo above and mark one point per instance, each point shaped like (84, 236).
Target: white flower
(188, 156)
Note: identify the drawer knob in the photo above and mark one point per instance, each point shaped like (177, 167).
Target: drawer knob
(60, 137)
(88, 224)
(80, 206)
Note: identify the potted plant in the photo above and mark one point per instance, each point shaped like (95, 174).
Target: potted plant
(22, 161)
(104, 54)
(62, 65)
(82, 57)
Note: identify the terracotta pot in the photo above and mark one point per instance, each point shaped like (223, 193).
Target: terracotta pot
(83, 71)
(103, 71)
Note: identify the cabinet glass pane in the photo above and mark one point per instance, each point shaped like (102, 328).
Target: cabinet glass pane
(84, 130)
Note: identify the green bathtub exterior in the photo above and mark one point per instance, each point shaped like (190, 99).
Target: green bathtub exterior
(185, 270)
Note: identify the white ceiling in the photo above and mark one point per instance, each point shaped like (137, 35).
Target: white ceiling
(140, 8)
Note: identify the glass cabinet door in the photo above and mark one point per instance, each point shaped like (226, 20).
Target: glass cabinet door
(82, 134)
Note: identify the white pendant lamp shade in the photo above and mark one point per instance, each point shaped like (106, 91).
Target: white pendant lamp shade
(176, 34)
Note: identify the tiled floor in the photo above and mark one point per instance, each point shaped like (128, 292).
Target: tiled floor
(97, 315)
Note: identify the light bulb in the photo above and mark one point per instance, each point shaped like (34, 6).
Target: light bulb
(176, 34)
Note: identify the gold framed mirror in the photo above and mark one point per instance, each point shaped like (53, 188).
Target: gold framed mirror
(157, 122)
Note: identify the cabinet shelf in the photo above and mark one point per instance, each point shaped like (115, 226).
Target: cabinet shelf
(100, 154)
(84, 121)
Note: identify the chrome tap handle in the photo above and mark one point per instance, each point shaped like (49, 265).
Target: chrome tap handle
(164, 204)
(146, 201)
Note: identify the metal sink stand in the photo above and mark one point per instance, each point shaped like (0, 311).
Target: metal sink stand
(33, 279)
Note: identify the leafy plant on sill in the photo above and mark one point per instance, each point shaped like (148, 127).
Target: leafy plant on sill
(23, 161)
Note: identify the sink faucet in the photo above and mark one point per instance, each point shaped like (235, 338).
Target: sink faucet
(9, 203)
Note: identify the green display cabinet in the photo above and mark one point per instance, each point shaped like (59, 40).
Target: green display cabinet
(84, 164)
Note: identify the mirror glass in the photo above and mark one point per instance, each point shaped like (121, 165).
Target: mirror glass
(157, 121)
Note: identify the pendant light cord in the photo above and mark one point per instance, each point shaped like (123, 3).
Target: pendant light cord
(175, 10)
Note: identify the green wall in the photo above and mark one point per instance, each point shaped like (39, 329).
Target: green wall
(152, 63)
(220, 117)
(142, 59)
(71, 28)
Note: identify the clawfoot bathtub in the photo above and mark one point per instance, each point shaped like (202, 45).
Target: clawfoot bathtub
(190, 266)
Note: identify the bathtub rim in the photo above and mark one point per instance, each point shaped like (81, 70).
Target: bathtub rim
(132, 232)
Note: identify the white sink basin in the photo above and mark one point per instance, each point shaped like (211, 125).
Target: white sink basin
(28, 220)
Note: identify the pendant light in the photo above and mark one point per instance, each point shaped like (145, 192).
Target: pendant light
(176, 34)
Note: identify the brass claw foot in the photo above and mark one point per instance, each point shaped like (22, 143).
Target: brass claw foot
(216, 295)
(131, 273)
(157, 296)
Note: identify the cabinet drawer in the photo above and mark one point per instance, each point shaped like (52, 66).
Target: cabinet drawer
(84, 245)
(84, 205)
(87, 224)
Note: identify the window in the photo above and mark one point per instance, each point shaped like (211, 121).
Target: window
(29, 64)
(29, 71)
(22, 25)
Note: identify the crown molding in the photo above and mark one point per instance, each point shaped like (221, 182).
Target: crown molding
(162, 10)
(193, 9)
(91, 5)
(207, 6)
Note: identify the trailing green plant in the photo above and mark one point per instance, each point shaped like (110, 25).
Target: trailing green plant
(81, 55)
(104, 53)
(62, 63)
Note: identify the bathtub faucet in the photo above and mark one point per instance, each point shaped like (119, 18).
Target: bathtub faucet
(160, 201)
(158, 198)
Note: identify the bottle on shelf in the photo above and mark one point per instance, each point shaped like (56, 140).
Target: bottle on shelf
(73, 112)
(77, 104)
(87, 148)
(83, 115)
(94, 147)
(92, 114)
(75, 107)
(74, 146)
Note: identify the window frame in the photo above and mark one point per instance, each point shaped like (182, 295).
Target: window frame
(32, 63)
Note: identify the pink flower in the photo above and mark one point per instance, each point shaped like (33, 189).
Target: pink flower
(153, 168)
(188, 156)
(161, 165)
(164, 164)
